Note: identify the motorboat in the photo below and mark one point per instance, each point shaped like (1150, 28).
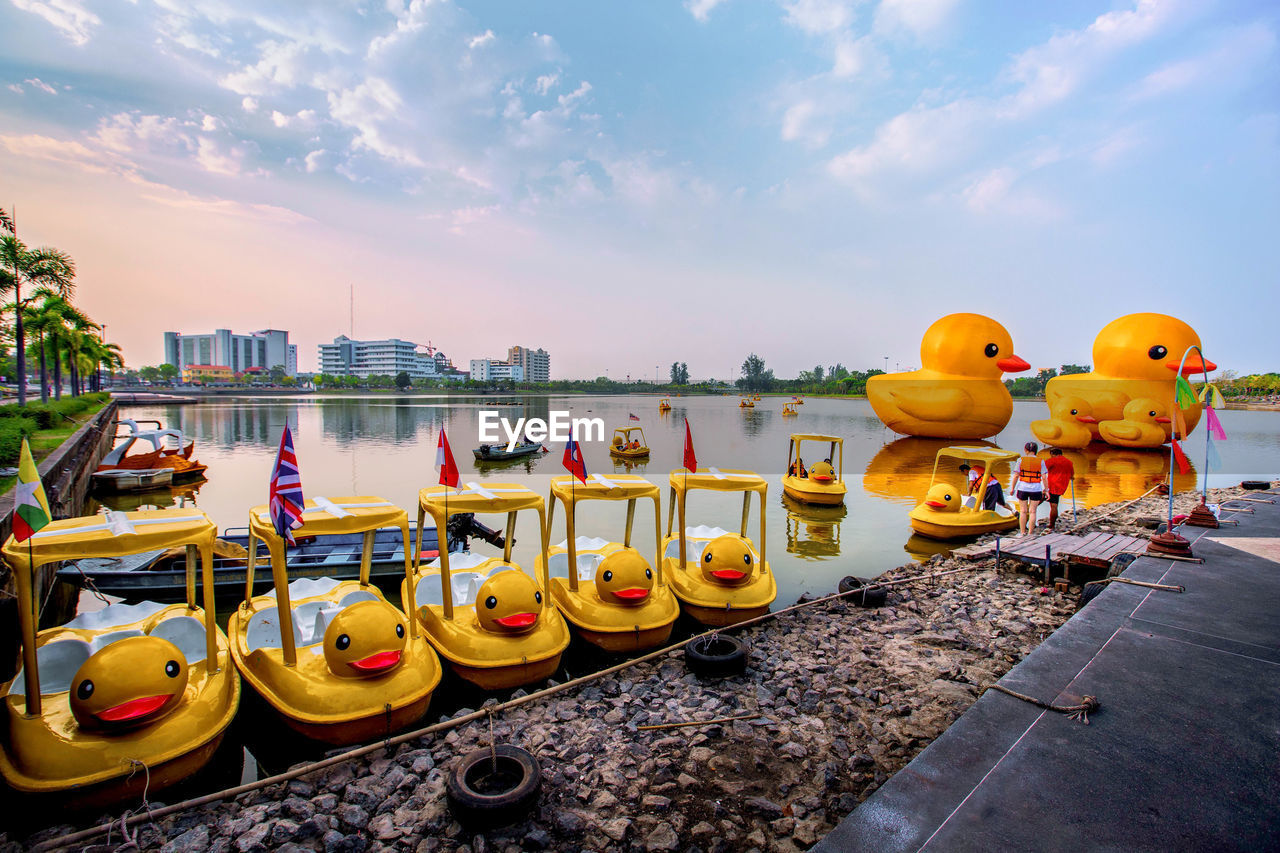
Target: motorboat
(121, 702)
(614, 597)
(721, 578)
(499, 452)
(818, 482)
(128, 480)
(624, 446)
(493, 621)
(333, 658)
(947, 512)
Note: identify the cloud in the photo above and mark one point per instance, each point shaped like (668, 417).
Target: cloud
(798, 124)
(70, 17)
(281, 66)
(37, 83)
(920, 18)
(481, 40)
(128, 132)
(545, 83)
(366, 108)
(819, 16)
(1236, 53)
(249, 105)
(316, 160)
(701, 9)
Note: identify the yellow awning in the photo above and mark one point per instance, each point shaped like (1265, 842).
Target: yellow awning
(115, 534)
(978, 452)
(804, 436)
(475, 497)
(718, 480)
(322, 516)
(608, 487)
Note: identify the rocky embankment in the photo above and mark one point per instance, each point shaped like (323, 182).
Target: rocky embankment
(845, 697)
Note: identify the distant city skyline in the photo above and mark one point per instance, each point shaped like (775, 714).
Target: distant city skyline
(628, 185)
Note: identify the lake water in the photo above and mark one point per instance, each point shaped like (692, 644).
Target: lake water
(386, 446)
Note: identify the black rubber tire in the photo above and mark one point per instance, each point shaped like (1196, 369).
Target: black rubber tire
(869, 595)
(1119, 563)
(717, 656)
(1162, 527)
(1255, 485)
(1089, 593)
(520, 778)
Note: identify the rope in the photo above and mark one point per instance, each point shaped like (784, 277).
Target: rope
(1163, 586)
(1081, 712)
(697, 722)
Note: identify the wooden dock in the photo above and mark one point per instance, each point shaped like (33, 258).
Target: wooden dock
(1096, 549)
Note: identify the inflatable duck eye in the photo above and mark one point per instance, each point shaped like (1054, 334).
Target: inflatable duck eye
(648, 573)
(1151, 413)
(707, 558)
(1075, 411)
(491, 602)
(172, 669)
(342, 643)
(128, 683)
(537, 596)
(400, 631)
(608, 576)
(364, 640)
(1157, 352)
(992, 350)
(85, 690)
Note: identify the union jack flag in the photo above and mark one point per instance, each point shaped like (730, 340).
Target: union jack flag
(285, 505)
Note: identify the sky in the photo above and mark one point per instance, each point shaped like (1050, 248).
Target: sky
(632, 184)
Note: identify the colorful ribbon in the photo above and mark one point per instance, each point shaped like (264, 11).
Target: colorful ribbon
(1211, 396)
(1214, 460)
(1183, 394)
(1215, 425)
(1184, 465)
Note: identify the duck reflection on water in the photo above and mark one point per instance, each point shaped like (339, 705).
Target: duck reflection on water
(813, 532)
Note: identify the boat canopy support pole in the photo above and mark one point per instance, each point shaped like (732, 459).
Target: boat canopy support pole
(544, 529)
(657, 539)
(191, 577)
(408, 574)
(746, 512)
(23, 573)
(281, 577)
(631, 517)
(511, 535)
(763, 562)
(251, 563)
(682, 529)
(671, 510)
(366, 558)
(571, 536)
(212, 662)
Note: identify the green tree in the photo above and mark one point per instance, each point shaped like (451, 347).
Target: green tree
(149, 374)
(684, 373)
(755, 377)
(43, 267)
(277, 374)
(402, 380)
(168, 372)
(675, 373)
(1068, 369)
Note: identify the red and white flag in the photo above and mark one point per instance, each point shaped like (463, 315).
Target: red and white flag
(690, 458)
(444, 463)
(573, 461)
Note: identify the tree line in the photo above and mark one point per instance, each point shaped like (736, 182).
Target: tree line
(42, 323)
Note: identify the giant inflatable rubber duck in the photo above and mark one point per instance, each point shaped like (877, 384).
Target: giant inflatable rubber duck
(1143, 425)
(1068, 425)
(1134, 356)
(957, 392)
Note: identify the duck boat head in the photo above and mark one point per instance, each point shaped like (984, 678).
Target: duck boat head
(364, 640)
(727, 560)
(129, 683)
(508, 602)
(624, 577)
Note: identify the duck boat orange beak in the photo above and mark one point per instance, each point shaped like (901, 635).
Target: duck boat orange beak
(935, 504)
(729, 574)
(133, 709)
(633, 594)
(380, 662)
(1012, 364)
(1163, 419)
(1192, 365)
(1086, 419)
(517, 620)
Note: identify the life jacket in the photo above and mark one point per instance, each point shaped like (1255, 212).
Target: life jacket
(1029, 471)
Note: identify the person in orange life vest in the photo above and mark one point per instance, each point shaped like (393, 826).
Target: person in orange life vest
(994, 495)
(1029, 476)
(975, 476)
(1061, 471)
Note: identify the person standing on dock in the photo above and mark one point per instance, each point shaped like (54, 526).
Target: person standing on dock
(1029, 477)
(1061, 471)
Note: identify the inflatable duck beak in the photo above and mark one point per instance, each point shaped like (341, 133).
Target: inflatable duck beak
(1086, 419)
(1193, 364)
(1163, 419)
(935, 504)
(517, 620)
(376, 663)
(820, 478)
(729, 574)
(633, 594)
(133, 709)
(1012, 364)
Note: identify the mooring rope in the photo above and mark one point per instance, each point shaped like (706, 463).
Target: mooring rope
(1081, 712)
(1163, 586)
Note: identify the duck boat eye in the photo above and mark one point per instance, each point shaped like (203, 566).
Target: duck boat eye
(85, 690)
(491, 602)
(608, 576)
(400, 631)
(537, 596)
(342, 642)
(172, 669)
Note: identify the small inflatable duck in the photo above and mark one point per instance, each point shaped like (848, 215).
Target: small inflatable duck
(1069, 424)
(1145, 424)
(508, 602)
(727, 560)
(957, 393)
(1134, 356)
(624, 577)
(364, 639)
(127, 683)
(943, 497)
(822, 472)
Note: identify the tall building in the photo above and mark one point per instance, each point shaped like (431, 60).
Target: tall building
(265, 349)
(347, 357)
(488, 370)
(536, 364)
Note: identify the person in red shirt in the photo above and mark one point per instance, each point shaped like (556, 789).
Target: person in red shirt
(1061, 472)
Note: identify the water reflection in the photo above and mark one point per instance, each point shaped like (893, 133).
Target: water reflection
(171, 496)
(813, 532)
(902, 469)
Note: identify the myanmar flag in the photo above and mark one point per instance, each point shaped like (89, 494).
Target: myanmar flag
(30, 506)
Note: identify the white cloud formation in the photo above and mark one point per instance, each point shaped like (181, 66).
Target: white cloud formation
(37, 83)
(546, 83)
(920, 18)
(315, 160)
(211, 158)
(1232, 58)
(701, 9)
(819, 16)
(481, 40)
(249, 105)
(70, 17)
(365, 108)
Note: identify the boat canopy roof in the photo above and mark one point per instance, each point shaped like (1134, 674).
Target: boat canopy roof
(718, 480)
(322, 516)
(617, 487)
(978, 452)
(474, 497)
(805, 436)
(627, 430)
(116, 534)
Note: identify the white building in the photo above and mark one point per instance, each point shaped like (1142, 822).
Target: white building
(490, 370)
(390, 357)
(264, 350)
(536, 364)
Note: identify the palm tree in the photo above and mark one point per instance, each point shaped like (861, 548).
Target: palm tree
(45, 266)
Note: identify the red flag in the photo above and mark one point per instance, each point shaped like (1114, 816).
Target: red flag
(573, 461)
(690, 458)
(444, 462)
(1184, 466)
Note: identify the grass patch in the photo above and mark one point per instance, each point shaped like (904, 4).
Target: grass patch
(64, 418)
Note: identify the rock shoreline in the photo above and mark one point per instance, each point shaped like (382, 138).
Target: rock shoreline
(846, 697)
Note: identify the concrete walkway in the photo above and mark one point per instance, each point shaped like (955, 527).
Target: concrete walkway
(1183, 755)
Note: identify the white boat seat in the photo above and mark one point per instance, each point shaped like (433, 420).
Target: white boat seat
(588, 564)
(185, 632)
(585, 543)
(307, 588)
(460, 561)
(429, 591)
(692, 549)
(57, 663)
(96, 644)
(305, 618)
(116, 614)
(263, 630)
(357, 595)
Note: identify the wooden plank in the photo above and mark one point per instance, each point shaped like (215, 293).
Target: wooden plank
(1097, 547)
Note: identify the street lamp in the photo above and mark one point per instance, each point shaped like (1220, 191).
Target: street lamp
(886, 364)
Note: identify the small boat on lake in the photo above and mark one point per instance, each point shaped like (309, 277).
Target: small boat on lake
(819, 482)
(946, 512)
(124, 480)
(499, 452)
(664, 405)
(625, 447)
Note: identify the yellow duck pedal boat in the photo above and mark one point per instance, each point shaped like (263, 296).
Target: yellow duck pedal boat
(624, 446)
(664, 405)
(334, 659)
(746, 403)
(721, 578)
(946, 512)
(496, 625)
(819, 483)
(789, 410)
(127, 687)
(615, 598)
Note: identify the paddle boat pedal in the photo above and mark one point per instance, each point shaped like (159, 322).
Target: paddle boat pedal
(493, 622)
(720, 577)
(615, 598)
(946, 514)
(819, 483)
(334, 659)
(127, 687)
